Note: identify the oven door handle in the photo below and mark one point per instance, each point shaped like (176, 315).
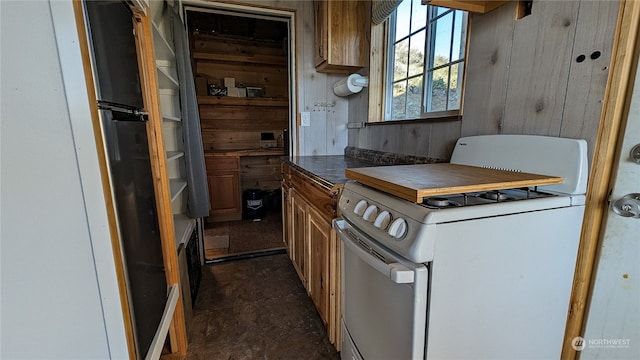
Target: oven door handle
(395, 271)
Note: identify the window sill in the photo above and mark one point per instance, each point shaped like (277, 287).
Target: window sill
(416, 121)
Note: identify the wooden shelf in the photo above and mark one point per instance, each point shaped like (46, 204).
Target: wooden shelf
(173, 155)
(251, 59)
(177, 186)
(163, 50)
(247, 152)
(183, 226)
(475, 6)
(242, 101)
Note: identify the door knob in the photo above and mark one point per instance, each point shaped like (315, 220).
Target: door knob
(628, 206)
(635, 154)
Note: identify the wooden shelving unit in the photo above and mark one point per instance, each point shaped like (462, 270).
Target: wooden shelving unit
(249, 59)
(242, 101)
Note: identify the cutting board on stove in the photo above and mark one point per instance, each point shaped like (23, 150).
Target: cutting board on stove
(413, 182)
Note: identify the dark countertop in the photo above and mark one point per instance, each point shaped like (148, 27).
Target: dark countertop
(329, 168)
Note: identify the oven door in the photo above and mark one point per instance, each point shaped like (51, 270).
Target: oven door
(384, 300)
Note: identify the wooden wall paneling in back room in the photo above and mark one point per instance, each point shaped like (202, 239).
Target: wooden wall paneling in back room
(260, 172)
(222, 140)
(539, 68)
(272, 79)
(588, 79)
(217, 44)
(248, 118)
(490, 44)
(232, 127)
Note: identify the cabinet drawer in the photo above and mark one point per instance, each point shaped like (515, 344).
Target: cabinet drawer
(217, 163)
(320, 198)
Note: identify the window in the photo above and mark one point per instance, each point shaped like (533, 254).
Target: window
(425, 86)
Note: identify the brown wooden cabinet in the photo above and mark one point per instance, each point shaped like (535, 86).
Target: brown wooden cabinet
(319, 234)
(223, 176)
(312, 243)
(341, 29)
(298, 233)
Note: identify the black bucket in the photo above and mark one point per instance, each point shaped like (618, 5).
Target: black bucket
(253, 204)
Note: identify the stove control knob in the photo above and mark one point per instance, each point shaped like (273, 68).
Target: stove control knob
(398, 228)
(382, 221)
(371, 213)
(360, 207)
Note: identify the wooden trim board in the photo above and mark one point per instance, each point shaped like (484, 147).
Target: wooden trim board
(413, 182)
(149, 82)
(476, 6)
(624, 60)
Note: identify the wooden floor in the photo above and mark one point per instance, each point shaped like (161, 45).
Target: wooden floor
(256, 309)
(242, 237)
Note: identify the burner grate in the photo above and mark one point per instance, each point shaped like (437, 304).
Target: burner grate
(481, 198)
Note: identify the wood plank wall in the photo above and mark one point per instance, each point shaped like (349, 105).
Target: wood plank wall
(327, 134)
(229, 127)
(234, 125)
(251, 63)
(260, 172)
(522, 78)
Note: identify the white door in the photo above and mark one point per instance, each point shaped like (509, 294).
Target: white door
(613, 318)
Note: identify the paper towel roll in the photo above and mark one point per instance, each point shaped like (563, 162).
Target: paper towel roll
(352, 84)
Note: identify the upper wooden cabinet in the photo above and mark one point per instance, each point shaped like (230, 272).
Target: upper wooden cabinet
(474, 6)
(341, 29)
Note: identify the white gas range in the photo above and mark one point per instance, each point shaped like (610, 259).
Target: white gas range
(480, 274)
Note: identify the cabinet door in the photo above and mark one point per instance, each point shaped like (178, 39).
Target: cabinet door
(319, 233)
(298, 232)
(223, 175)
(224, 193)
(286, 215)
(341, 29)
(320, 21)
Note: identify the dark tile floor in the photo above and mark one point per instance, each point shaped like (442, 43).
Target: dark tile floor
(256, 309)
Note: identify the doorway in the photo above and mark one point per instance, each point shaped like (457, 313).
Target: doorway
(243, 70)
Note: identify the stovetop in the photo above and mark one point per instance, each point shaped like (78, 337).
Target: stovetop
(482, 198)
(410, 228)
(406, 208)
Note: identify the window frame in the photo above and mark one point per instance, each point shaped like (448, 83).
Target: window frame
(389, 59)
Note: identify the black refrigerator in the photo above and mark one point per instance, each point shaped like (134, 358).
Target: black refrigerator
(123, 118)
